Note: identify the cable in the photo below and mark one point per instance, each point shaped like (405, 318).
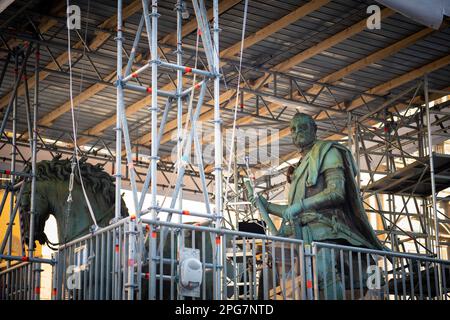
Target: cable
(233, 135)
(74, 128)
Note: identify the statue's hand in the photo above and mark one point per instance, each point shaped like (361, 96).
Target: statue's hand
(292, 211)
(252, 199)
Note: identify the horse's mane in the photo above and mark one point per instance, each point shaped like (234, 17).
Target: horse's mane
(94, 176)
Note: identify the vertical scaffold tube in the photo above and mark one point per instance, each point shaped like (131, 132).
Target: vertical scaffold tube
(154, 134)
(433, 183)
(118, 172)
(119, 92)
(179, 99)
(218, 150)
(33, 155)
(13, 157)
(179, 7)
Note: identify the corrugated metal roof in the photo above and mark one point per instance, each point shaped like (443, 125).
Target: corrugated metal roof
(316, 27)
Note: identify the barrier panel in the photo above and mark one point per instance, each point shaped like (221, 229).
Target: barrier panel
(100, 266)
(149, 259)
(344, 272)
(21, 282)
(254, 266)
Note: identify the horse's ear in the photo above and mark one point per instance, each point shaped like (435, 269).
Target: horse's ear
(57, 156)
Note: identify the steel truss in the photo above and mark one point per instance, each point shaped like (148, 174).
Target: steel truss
(389, 147)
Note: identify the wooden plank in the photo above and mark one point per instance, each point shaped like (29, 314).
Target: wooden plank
(370, 59)
(385, 87)
(274, 27)
(328, 43)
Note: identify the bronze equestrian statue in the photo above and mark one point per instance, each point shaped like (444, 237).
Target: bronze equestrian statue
(324, 202)
(52, 189)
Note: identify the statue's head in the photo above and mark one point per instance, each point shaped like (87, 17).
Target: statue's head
(41, 215)
(52, 190)
(303, 130)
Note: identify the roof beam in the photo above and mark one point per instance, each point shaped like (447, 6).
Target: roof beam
(274, 27)
(372, 58)
(258, 36)
(385, 87)
(99, 39)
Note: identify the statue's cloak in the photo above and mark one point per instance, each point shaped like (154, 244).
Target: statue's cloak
(307, 174)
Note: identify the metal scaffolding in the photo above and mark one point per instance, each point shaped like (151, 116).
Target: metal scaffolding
(391, 137)
(27, 272)
(179, 95)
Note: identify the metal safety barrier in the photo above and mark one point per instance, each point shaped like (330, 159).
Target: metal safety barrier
(149, 259)
(143, 260)
(253, 266)
(102, 265)
(21, 282)
(344, 272)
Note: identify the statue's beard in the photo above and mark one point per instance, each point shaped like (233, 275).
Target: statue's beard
(303, 141)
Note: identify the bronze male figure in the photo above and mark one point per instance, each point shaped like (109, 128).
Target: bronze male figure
(324, 202)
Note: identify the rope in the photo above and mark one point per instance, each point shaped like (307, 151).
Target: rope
(233, 135)
(76, 161)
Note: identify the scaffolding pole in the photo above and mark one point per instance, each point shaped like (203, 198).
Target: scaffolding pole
(179, 90)
(432, 178)
(218, 148)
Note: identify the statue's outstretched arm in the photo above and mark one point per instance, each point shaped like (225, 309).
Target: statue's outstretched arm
(276, 209)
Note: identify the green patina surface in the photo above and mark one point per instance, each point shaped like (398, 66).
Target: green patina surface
(324, 202)
(52, 190)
